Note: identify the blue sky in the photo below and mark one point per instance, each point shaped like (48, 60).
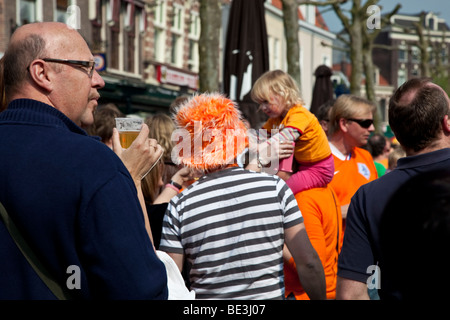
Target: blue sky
(408, 6)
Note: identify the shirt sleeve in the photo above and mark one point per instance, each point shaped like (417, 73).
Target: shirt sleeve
(286, 134)
(118, 256)
(171, 235)
(356, 255)
(292, 214)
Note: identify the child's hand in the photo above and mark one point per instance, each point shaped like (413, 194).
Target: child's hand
(284, 175)
(286, 148)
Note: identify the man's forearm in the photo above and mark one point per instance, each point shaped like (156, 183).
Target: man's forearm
(312, 278)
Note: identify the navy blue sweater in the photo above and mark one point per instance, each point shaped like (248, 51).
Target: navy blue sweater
(76, 204)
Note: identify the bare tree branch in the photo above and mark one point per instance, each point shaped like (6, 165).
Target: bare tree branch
(384, 46)
(321, 3)
(324, 44)
(342, 39)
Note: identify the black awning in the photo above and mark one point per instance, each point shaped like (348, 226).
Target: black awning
(134, 97)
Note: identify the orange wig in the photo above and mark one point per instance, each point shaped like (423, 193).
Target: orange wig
(214, 131)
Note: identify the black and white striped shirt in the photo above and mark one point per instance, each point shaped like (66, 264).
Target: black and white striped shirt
(230, 226)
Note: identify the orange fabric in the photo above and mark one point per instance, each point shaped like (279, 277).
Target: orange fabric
(323, 223)
(384, 162)
(350, 174)
(312, 146)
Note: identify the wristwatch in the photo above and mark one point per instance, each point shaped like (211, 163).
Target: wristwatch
(176, 185)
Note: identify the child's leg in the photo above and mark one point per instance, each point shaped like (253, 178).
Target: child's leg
(315, 175)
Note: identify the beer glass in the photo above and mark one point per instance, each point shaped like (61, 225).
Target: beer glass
(129, 129)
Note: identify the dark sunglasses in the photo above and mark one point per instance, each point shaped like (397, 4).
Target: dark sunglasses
(364, 123)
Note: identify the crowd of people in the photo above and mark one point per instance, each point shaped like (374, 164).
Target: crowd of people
(134, 222)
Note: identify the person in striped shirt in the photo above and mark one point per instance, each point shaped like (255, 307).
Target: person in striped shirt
(229, 227)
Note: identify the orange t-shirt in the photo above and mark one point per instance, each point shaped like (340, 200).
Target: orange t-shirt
(312, 145)
(323, 223)
(352, 173)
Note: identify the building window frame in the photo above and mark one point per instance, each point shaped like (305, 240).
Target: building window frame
(35, 6)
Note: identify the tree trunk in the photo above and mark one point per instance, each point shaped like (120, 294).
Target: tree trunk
(290, 22)
(353, 29)
(369, 71)
(423, 45)
(210, 22)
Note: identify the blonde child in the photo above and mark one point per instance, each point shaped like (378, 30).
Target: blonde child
(279, 98)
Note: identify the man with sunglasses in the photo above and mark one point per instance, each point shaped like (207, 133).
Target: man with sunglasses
(72, 199)
(351, 123)
(419, 115)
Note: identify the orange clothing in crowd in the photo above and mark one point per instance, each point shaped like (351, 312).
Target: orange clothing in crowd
(351, 172)
(312, 145)
(323, 223)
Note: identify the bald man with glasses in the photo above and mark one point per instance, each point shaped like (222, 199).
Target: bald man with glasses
(72, 199)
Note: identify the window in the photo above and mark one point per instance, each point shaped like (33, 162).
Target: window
(159, 40)
(194, 26)
(142, 17)
(401, 77)
(123, 35)
(160, 13)
(415, 54)
(129, 30)
(276, 54)
(27, 11)
(193, 56)
(177, 18)
(431, 55)
(61, 10)
(159, 33)
(309, 12)
(175, 49)
(402, 55)
(114, 44)
(431, 23)
(444, 54)
(194, 35)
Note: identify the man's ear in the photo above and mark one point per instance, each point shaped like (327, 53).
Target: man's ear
(342, 125)
(446, 124)
(40, 73)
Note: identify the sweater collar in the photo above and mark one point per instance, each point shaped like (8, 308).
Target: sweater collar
(424, 159)
(36, 112)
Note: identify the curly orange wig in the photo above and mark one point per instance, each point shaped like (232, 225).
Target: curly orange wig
(216, 135)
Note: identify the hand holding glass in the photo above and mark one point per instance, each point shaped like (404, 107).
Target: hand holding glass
(129, 129)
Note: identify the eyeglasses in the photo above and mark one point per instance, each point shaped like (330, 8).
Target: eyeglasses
(87, 64)
(364, 123)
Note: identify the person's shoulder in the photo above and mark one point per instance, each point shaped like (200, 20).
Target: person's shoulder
(263, 176)
(381, 187)
(88, 146)
(92, 155)
(299, 111)
(362, 153)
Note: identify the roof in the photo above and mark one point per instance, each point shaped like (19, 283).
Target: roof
(320, 22)
(348, 71)
(408, 20)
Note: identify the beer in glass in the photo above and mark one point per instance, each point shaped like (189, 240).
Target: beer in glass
(129, 129)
